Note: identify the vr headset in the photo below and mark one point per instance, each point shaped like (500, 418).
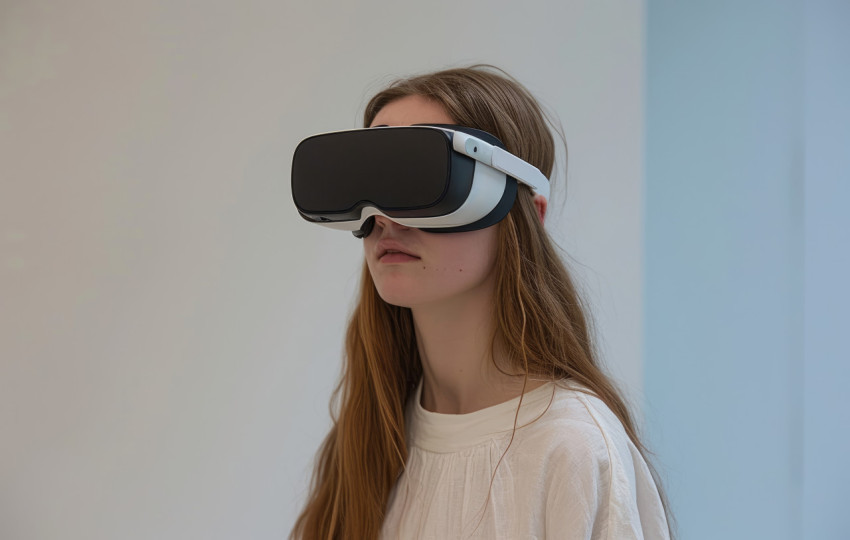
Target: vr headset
(435, 177)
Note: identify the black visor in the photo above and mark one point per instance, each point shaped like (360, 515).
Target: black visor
(403, 171)
(435, 177)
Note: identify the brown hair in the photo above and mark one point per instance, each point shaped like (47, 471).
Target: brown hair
(540, 318)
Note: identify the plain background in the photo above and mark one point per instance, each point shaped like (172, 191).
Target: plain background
(171, 330)
(747, 253)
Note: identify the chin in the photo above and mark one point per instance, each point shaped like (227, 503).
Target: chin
(399, 296)
(409, 291)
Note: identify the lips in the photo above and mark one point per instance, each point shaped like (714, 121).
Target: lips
(391, 251)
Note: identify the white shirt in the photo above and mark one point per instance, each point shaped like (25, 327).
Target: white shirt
(571, 472)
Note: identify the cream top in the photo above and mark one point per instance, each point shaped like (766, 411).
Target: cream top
(571, 472)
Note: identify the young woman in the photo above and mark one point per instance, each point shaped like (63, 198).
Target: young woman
(471, 403)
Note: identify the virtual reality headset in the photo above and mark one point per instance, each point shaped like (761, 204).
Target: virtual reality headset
(438, 178)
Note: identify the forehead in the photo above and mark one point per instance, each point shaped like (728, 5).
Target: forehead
(411, 110)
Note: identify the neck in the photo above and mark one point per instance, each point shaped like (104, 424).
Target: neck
(459, 356)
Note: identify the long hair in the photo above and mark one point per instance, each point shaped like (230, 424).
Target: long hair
(540, 318)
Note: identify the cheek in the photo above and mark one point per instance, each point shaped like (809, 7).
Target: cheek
(470, 254)
(460, 263)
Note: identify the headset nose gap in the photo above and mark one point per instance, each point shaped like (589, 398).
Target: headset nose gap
(384, 222)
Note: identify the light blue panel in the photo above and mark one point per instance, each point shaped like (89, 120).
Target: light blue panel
(723, 286)
(826, 464)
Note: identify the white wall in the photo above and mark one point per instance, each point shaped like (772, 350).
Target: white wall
(170, 330)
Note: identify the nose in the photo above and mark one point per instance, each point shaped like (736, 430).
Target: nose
(389, 225)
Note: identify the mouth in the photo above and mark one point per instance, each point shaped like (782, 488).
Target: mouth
(396, 256)
(392, 251)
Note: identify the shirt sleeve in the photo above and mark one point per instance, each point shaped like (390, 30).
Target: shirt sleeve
(593, 487)
(578, 485)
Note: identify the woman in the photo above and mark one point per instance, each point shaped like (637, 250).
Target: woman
(471, 403)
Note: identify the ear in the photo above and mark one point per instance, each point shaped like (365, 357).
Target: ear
(541, 204)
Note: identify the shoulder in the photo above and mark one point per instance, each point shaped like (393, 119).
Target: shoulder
(595, 478)
(577, 428)
(577, 449)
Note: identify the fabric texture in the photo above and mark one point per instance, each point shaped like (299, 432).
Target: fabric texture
(571, 473)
